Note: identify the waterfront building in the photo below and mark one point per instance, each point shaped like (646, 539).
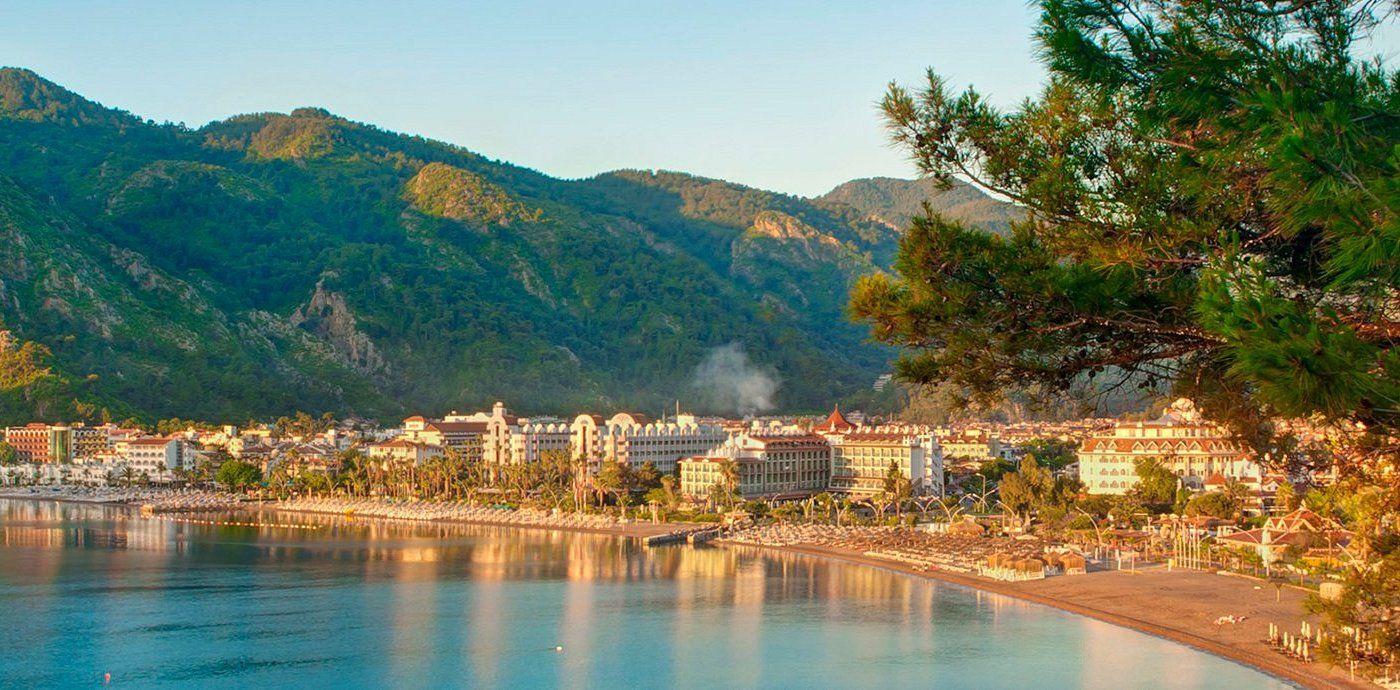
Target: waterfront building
(464, 435)
(1314, 537)
(860, 461)
(835, 423)
(775, 466)
(404, 451)
(55, 443)
(513, 440)
(1191, 448)
(317, 457)
(861, 456)
(156, 457)
(635, 440)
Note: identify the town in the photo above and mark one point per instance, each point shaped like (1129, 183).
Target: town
(1179, 461)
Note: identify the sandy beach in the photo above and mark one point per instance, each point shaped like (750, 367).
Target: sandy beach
(1181, 606)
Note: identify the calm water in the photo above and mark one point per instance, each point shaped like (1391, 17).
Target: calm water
(86, 590)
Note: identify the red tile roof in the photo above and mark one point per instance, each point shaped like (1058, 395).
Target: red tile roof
(835, 422)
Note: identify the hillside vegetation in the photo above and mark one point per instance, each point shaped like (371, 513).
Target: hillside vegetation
(272, 262)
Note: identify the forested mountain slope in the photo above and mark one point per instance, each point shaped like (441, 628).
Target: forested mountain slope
(272, 262)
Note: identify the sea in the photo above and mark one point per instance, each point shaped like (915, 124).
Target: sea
(96, 595)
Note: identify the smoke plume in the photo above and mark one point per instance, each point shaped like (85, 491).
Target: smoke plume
(727, 382)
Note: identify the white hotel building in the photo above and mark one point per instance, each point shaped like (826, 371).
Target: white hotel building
(1193, 449)
(635, 440)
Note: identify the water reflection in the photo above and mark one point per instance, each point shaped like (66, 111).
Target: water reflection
(373, 603)
(406, 552)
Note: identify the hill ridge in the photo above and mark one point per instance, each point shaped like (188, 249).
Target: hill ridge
(375, 272)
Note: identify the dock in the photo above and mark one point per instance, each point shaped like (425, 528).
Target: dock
(691, 535)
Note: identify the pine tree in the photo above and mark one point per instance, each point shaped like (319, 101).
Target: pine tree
(1212, 200)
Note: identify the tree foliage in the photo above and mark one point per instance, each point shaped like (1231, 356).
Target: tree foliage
(1212, 199)
(1211, 202)
(21, 364)
(274, 262)
(1156, 484)
(1213, 504)
(238, 475)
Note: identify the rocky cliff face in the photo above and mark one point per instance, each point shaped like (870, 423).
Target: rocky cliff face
(328, 316)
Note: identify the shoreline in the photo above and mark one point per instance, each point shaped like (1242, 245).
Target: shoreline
(1314, 675)
(630, 530)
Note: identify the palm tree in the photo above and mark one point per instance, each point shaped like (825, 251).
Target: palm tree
(729, 476)
(1235, 491)
(128, 475)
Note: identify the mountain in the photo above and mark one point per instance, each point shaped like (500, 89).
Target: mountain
(273, 262)
(894, 201)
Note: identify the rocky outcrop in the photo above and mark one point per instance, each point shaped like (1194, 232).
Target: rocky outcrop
(328, 316)
(449, 192)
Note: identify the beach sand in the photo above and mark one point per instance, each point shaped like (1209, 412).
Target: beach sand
(1180, 606)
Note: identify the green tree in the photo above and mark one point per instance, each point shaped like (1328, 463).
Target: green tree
(994, 468)
(21, 364)
(1017, 496)
(1156, 484)
(1368, 604)
(730, 479)
(238, 475)
(614, 478)
(1040, 480)
(897, 489)
(8, 454)
(647, 477)
(1214, 504)
(1209, 203)
(1053, 453)
(1286, 499)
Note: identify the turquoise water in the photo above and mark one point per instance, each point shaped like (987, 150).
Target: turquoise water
(88, 590)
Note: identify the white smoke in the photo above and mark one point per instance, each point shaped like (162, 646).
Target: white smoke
(727, 382)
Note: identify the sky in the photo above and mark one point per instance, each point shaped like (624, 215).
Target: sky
(777, 95)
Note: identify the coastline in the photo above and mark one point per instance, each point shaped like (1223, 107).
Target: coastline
(629, 530)
(1133, 616)
(1121, 598)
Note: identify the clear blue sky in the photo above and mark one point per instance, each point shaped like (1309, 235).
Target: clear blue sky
(779, 95)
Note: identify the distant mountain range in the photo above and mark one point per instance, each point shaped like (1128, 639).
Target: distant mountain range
(274, 262)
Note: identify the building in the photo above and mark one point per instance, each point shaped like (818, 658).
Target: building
(462, 435)
(88, 441)
(835, 423)
(860, 461)
(512, 440)
(776, 466)
(155, 458)
(404, 451)
(1193, 449)
(55, 443)
(317, 457)
(1311, 536)
(970, 447)
(635, 440)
